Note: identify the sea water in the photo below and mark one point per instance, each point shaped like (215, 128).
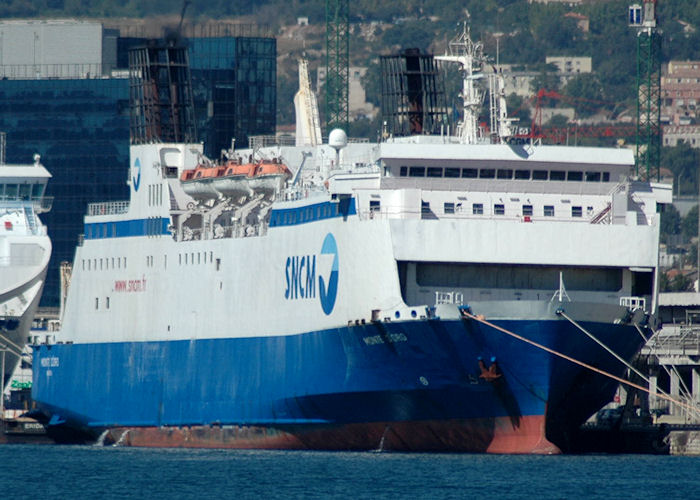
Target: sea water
(58, 472)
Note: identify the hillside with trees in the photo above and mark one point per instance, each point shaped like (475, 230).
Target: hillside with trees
(524, 32)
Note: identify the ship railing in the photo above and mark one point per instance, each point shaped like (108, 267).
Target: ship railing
(449, 298)
(533, 187)
(228, 231)
(108, 208)
(38, 203)
(43, 204)
(633, 303)
(427, 213)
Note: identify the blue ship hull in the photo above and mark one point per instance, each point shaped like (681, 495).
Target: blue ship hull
(346, 388)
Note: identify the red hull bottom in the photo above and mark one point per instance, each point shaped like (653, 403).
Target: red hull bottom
(499, 435)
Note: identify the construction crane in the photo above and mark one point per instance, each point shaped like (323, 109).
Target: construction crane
(643, 19)
(337, 64)
(573, 131)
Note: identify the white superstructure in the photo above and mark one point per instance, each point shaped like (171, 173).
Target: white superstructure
(25, 250)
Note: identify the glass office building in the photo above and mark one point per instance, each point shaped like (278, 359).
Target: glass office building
(80, 126)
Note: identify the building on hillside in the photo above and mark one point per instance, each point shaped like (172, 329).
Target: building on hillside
(358, 107)
(680, 93)
(64, 93)
(569, 66)
(675, 134)
(517, 82)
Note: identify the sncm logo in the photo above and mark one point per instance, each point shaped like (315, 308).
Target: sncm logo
(300, 276)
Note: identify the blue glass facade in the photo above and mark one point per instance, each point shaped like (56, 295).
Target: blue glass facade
(80, 127)
(81, 130)
(234, 87)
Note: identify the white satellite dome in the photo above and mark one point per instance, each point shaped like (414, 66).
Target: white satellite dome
(337, 139)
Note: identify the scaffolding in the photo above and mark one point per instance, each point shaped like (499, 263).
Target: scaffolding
(337, 64)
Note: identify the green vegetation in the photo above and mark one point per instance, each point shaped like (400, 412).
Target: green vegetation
(525, 33)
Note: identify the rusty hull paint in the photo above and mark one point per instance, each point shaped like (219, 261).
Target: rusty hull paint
(477, 435)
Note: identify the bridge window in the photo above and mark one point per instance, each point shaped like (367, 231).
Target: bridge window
(403, 171)
(504, 173)
(452, 172)
(416, 172)
(606, 176)
(549, 211)
(522, 174)
(478, 208)
(374, 205)
(576, 212)
(574, 176)
(527, 210)
(592, 176)
(449, 208)
(487, 173)
(470, 173)
(557, 175)
(434, 172)
(499, 209)
(540, 175)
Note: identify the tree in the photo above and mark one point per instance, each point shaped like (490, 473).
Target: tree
(518, 108)
(557, 120)
(689, 224)
(372, 83)
(547, 79)
(411, 34)
(587, 92)
(670, 222)
(683, 161)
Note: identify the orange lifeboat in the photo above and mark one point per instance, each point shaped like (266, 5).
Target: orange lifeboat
(198, 182)
(269, 177)
(234, 179)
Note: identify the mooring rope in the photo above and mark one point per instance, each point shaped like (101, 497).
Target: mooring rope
(466, 314)
(18, 349)
(561, 312)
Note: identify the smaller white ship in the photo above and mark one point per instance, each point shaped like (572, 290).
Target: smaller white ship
(25, 249)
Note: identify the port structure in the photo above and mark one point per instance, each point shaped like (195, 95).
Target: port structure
(337, 65)
(643, 19)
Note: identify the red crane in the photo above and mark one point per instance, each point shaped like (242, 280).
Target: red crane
(560, 135)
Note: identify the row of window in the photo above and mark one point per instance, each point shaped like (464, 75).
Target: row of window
(450, 208)
(500, 209)
(155, 195)
(104, 263)
(196, 258)
(326, 210)
(505, 174)
(107, 263)
(21, 191)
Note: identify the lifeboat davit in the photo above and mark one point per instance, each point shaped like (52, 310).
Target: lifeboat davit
(198, 182)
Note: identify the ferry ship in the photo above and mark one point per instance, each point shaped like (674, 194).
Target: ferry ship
(25, 249)
(424, 293)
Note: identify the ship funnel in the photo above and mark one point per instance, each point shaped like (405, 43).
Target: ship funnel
(413, 94)
(160, 93)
